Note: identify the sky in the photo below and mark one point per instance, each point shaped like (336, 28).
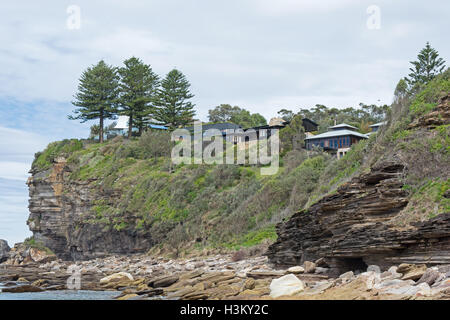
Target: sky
(262, 55)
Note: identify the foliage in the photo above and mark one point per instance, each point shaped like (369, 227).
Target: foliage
(293, 135)
(44, 160)
(138, 84)
(242, 117)
(427, 99)
(359, 117)
(425, 68)
(97, 95)
(286, 115)
(172, 103)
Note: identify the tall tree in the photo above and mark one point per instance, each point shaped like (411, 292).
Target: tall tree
(293, 135)
(286, 115)
(223, 113)
(427, 66)
(97, 95)
(138, 85)
(173, 107)
(242, 117)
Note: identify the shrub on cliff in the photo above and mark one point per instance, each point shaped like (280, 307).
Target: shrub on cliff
(44, 160)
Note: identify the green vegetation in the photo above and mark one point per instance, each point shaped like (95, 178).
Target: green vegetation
(44, 160)
(97, 95)
(32, 243)
(427, 99)
(237, 115)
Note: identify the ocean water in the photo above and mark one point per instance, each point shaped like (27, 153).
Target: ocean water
(60, 295)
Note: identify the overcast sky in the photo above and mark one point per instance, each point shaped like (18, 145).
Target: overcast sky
(262, 55)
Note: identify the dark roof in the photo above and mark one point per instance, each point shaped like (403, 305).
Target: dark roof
(311, 121)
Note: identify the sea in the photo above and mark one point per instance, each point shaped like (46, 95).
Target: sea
(59, 295)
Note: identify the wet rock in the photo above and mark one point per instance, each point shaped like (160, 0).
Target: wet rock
(127, 296)
(22, 288)
(287, 285)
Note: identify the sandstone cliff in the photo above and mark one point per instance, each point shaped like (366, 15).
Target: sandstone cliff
(396, 211)
(59, 211)
(351, 228)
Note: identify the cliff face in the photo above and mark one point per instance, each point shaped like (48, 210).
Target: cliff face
(59, 211)
(4, 250)
(351, 228)
(376, 218)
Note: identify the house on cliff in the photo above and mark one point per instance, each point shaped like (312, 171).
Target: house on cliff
(121, 127)
(337, 141)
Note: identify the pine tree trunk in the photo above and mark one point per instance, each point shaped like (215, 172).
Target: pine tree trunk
(100, 138)
(130, 127)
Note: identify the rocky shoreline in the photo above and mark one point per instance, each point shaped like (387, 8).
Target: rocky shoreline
(141, 277)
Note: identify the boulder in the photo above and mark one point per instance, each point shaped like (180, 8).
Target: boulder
(348, 275)
(321, 262)
(287, 285)
(164, 281)
(309, 266)
(296, 270)
(117, 277)
(429, 277)
(374, 268)
(321, 270)
(41, 256)
(412, 271)
(4, 251)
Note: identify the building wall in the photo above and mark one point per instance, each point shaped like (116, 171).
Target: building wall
(332, 142)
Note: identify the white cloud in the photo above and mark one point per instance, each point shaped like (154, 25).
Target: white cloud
(291, 7)
(14, 170)
(18, 145)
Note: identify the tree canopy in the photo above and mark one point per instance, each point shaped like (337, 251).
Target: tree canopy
(237, 115)
(97, 95)
(138, 85)
(172, 102)
(425, 68)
